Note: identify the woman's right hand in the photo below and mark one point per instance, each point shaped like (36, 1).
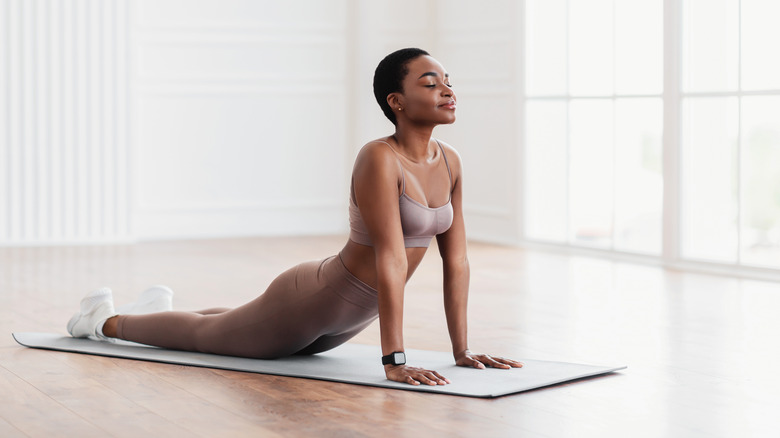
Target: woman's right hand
(414, 375)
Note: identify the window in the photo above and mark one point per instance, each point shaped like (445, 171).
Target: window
(594, 123)
(730, 194)
(594, 126)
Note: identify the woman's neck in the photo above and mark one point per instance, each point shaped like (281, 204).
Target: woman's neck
(414, 143)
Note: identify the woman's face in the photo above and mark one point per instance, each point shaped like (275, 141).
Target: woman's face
(427, 96)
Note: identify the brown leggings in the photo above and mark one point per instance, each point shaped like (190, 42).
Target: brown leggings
(311, 308)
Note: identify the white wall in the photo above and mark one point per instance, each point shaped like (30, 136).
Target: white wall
(480, 44)
(238, 116)
(206, 118)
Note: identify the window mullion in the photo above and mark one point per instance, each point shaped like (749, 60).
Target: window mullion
(569, 239)
(739, 133)
(613, 236)
(671, 131)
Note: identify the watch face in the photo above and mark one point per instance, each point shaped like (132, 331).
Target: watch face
(399, 358)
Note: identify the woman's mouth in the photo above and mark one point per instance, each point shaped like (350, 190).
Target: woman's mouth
(448, 105)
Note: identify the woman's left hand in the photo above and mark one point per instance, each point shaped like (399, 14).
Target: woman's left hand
(480, 361)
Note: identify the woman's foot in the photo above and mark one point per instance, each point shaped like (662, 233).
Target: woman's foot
(94, 309)
(155, 299)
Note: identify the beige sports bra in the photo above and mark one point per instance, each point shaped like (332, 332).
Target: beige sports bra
(419, 222)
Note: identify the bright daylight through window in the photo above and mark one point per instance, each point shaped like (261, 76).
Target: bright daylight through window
(594, 127)
(594, 124)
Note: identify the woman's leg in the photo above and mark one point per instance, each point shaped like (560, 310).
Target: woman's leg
(295, 310)
(251, 330)
(300, 311)
(329, 342)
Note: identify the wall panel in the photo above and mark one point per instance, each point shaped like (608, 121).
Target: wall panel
(62, 160)
(239, 118)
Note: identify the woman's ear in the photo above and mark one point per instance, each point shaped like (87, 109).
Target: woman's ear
(395, 100)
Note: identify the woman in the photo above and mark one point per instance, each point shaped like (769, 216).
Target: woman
(405, 189)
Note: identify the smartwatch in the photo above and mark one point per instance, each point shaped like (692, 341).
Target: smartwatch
(396, 358)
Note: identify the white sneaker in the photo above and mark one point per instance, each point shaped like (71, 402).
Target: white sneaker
(155, 299)
(95, 308)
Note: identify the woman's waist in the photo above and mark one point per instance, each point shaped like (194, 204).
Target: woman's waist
(360, 261)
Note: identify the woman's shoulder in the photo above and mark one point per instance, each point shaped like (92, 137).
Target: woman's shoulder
(381, 144)
(376, 154)
(453, 157)
(448, 149)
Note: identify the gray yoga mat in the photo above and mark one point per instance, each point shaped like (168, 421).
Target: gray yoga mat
(349, 363)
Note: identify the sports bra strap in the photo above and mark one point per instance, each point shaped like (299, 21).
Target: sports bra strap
(447, 163)
(403, 175)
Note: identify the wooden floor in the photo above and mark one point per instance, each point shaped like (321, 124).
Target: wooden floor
(703, 351)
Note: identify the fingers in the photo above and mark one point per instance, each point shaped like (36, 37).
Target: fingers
(432, 378)
(494, 363)
(469, 361)
(477, 364)
(428, 380)
(481, 361)
(510, 362)
(417, 376)
(441, 378)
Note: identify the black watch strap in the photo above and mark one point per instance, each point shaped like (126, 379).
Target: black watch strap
(395, 358)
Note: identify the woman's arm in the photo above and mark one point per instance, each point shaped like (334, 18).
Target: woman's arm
(452, 247)
(376, 179)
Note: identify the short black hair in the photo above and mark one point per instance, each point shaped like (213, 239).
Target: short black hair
(389, 75)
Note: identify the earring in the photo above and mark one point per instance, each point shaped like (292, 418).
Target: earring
(400, 109)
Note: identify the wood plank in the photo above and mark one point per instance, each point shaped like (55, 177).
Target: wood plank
(7, 430)
(34, 413)
(120, 390)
